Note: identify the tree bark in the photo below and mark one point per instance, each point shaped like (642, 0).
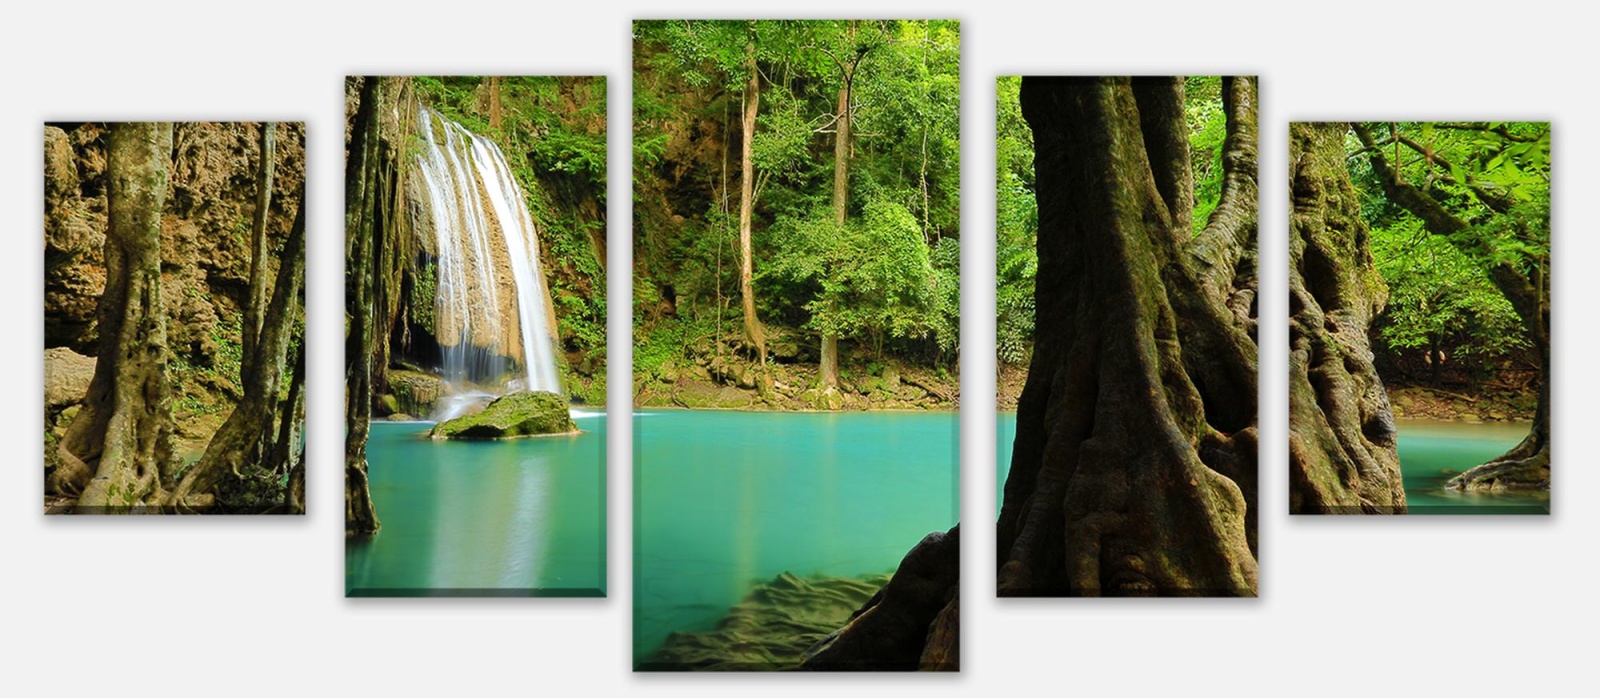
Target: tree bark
(249, 431)
(257, 300)
(287, 452)
(118, 450)
(1526, 465)
(911, 624)
(752, 100)
(360, 200)
(829, 365)
(494, 103)
(1342, 457)
(1134, 467)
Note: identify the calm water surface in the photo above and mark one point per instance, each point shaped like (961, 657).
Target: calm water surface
(724, 500)
(1430, 454)
(1433, 452)
(520, 517)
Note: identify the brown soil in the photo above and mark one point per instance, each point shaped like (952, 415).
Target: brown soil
(1419, 402)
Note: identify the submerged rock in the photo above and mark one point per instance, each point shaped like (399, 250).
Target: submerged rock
(773, 627)
(509, 416)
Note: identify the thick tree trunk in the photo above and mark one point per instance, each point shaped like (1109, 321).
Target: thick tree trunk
(1135, 458)
(249, 430)
(753, 330)
(257, 300)
(360, 199)
(1526, 465)
(1342, 457)
(118, 450)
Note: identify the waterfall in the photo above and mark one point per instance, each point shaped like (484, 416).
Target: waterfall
(490, 298)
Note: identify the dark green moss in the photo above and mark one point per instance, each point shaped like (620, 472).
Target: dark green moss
(510, 416)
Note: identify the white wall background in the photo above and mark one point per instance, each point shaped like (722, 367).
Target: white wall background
(178, 606)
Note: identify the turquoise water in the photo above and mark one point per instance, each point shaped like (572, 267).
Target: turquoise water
(1433, 452)
(1430, 454)
(521, 517)
(724, 500)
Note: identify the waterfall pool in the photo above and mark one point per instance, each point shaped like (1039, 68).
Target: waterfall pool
(520, 517)
(725, 500)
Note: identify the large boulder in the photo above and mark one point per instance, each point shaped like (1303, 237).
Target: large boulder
(414, 392)
(66, 377)
(509, 416)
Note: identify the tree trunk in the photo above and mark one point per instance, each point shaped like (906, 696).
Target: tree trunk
(494, 103)
(829, 368)
(249, 429)
(911, 624)
(287, 451)
(1134, 471)
(752, 98)
(257, 300)
(1342, 457)
(118, 450)
(360, 200)
(1526, 465)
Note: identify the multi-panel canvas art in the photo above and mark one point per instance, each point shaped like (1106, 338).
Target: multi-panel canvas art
(1126, 325)
(475, 236)
(1419, 336)
(796, 239)
(174, 360)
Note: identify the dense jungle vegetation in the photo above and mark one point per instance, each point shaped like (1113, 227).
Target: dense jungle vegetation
(797, 213)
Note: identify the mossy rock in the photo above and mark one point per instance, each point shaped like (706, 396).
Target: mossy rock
(414, 392)
(511, 416)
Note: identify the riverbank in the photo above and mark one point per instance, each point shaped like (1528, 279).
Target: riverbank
(734, 385)
(1420, 402)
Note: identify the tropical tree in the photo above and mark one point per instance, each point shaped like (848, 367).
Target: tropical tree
(1134, 469)
(1342, 441)
(1483, 188)
(117, 454)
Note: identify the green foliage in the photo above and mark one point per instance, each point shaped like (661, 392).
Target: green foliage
(887, 277)
(1493, 176)
(1208, 127)
(424, 292)
(668, 340)
(1016, 227)
(1440, 297)
(874, 276)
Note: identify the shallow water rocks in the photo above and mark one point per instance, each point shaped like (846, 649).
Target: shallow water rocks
(772, 628)
(510, 416)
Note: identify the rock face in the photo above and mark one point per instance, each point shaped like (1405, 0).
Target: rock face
(205, 248)
(66, 377)
(413, 392)
(517, 414)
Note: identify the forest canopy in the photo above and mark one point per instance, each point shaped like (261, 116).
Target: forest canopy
(797, 195)
(1446, 323)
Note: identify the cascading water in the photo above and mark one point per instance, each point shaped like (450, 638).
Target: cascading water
(491, 302)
